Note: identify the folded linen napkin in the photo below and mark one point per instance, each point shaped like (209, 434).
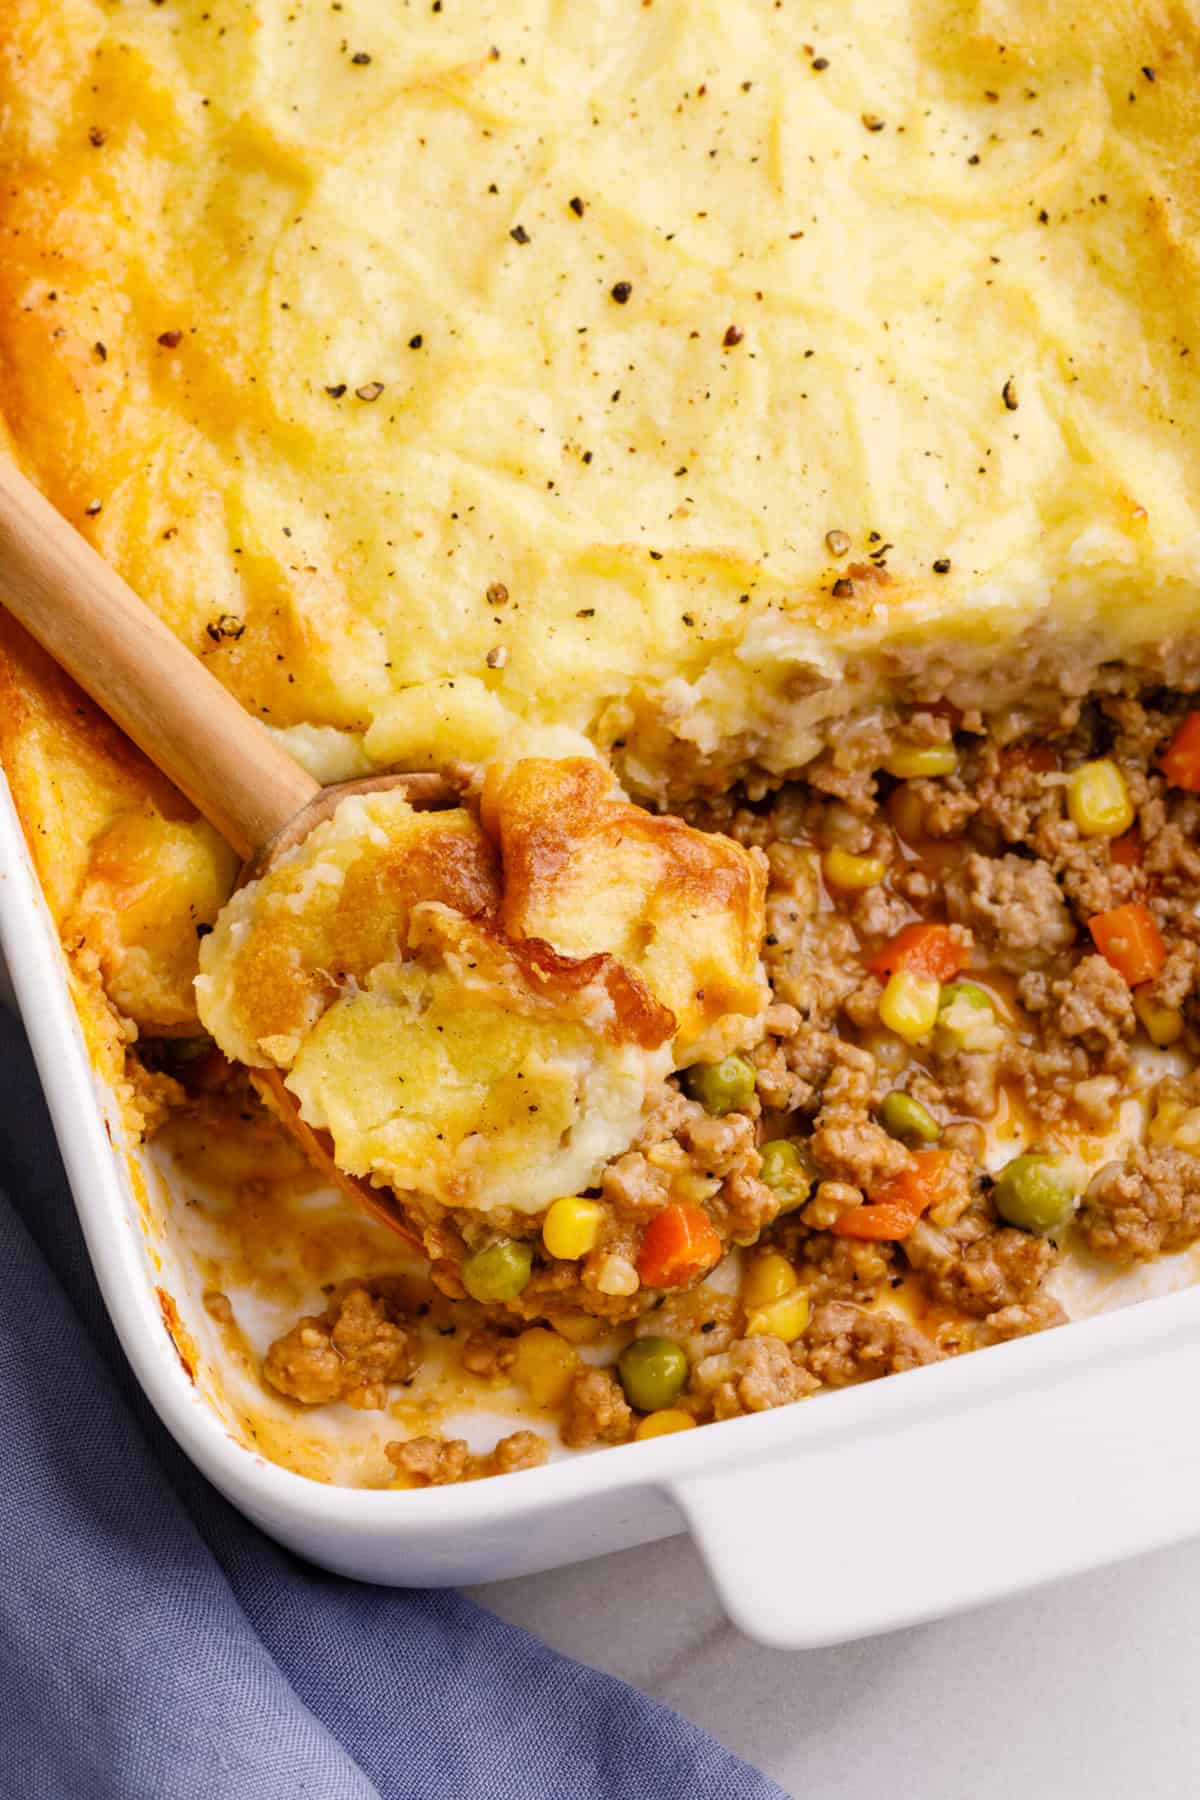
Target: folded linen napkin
(155, 1646)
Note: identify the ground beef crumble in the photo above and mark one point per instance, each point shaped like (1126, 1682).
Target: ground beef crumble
(597, 1411)
(848, 1344)
(1147, 1205)
(1014, 907)
(352, 1352)
(754, 1375)
(438, 1462)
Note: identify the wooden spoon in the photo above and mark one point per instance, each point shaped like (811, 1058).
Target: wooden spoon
(231, 769)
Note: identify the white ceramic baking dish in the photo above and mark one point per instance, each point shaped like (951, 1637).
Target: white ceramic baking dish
(852, 1514)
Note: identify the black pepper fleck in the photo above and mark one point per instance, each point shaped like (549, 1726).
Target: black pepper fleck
(360, 59)
(415, 342)
(576, 206)
(170, 340)
(733, 335)
(843, 588)
(519, 235)
(1009, 392)
(621, 291)
(228, 625)
(335, 393)
(942, 566)
(872, 121)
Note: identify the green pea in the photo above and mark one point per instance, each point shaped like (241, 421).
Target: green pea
(970, 991)
(722, 1087)
(653, 1372)
(905, 1118)
(498, 1272)
(785, 1168)
(1034, 1194)
(966, 998)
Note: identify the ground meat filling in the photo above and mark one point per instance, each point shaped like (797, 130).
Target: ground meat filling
(438, 1462)
(847, 1344)
(754, 1375)
(861, 1178)
(1015, 909)
(1148, 1205)
(353, 1351)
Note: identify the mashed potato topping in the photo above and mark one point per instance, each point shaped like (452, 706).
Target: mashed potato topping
(681, 374)
(482, 1010)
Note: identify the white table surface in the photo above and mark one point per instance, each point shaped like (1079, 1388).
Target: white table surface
(1086, 1691)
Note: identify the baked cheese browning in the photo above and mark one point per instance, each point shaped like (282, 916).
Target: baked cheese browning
(587, 871)
(793, 412)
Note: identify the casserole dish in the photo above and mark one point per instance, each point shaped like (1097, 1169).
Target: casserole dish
(1049, 1456)
(881, 569)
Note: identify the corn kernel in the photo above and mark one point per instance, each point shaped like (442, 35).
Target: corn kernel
(785, 1318)
(1169, 1113)
(767, 1278)
(664, 1423)
(580, 1328)
(1163, 1024)
(1098, 800)
(908, 1004)
(571, 1227)
(544, 1365)
(852, 874)
(907, 762)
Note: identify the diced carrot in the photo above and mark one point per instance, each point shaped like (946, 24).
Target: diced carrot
(1180, 761)
(1127, 851)
(897, 1204)
(921, 949)
(877, 1220)
(1128, 938)
(678, 1244)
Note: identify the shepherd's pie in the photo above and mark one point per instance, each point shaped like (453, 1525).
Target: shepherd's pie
(750, 448)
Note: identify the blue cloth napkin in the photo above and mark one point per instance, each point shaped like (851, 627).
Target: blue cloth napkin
(154, 1644)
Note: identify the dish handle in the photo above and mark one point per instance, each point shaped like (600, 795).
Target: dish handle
(960, 1492)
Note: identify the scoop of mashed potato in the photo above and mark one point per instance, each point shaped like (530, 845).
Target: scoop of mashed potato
(480, 1005)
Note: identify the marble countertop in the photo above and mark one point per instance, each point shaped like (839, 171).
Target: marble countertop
(1084, 1691)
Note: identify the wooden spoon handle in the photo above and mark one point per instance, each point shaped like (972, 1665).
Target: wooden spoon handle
(95, 627)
